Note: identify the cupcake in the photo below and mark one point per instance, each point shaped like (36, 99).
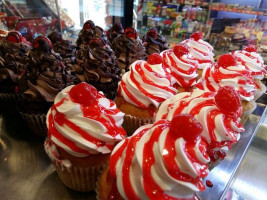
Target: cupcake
(253, 62)
(128, 49)
(166, 160)
(115, 31)
(182, 66)
(200, 50)
(45, 76)
(63, 47)
(218, 112)
(83, 128)
(227, 72)
(142, 90)
(89, 31)
(154, 43)
(96, 64)
(13, 51)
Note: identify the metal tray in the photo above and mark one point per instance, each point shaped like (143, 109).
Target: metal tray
(26, 172)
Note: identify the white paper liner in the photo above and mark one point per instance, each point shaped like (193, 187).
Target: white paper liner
(260, 92)
(36, 123)
(131, 123)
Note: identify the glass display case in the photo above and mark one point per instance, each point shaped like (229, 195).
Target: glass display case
(25, 170)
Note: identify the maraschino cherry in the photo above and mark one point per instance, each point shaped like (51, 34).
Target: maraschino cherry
(152, 33)
(228, 100)
(83, 93)
(154, 59)
(226, 60)
(186, 126)
(14, 36)
(251, 48)
(130, 33)
(180, 50)
(197, 36)
(43, 42)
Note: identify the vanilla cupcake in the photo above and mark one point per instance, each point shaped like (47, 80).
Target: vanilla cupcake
(218, 112)
(227, 72)
(200, 50)
(83, 128)
(166, 160)
(253, 62)
(142, 90)
(182, 65)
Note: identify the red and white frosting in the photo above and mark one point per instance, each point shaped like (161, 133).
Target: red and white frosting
(252, 61)
(157, 163)
(146, 84)
(200, 50)
(235, 75)
(83, 122)
(183, 67)
(221, 128)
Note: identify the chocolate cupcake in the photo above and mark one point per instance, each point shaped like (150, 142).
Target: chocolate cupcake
(13, 50)
(154, 43)
(96, 64)
(45, 76)
(89, 31)
(128, 49)
(64, 47)
(115, 31)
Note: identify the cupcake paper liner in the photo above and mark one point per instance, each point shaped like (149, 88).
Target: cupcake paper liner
(82, 179)
(260, 92)
(8, 98)
(36, 123)
(245, 114)
(131, 123)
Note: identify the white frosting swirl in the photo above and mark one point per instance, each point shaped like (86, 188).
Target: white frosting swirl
(201, 51)
(252, 61)
(183, 69)
(82, 130)
(237, 76)
(146, 84)
(220, 131)
(157, 178)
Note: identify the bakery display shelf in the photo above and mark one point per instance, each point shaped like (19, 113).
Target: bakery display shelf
(27, 173)
(243, 10)
(201, 4)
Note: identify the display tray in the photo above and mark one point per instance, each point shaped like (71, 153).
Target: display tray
(27, 173)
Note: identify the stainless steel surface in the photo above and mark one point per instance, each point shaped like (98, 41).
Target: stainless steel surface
(250, 181)
(25, 170)
(222, 175)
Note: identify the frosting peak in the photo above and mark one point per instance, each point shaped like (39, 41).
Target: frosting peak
(146, 84)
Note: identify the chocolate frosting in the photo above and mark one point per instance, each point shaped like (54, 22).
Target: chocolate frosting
(127, 51)
(89, 31)
(12, 64)
(46, 75)
(64, 47)
(154, 43)
(115, 31)
(96, 64)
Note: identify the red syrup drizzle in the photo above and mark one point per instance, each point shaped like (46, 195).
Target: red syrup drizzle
(140, 87)
(94, 111)
(209, 183)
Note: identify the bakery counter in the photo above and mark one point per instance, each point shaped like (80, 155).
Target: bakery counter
(27, 173)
